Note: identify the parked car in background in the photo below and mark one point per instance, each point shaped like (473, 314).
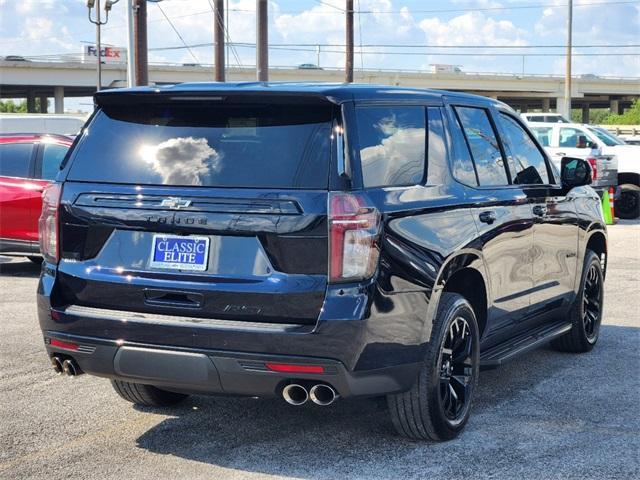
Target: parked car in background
(566, 139)
(315, 241)
(41, 123)
(28, 163)
(575, 139)
(547, 117)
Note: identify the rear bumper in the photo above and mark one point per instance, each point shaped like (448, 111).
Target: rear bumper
(221, 372)
(363, 352)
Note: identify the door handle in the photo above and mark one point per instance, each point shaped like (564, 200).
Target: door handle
(539, 210)
(487, 217)
(560, 154)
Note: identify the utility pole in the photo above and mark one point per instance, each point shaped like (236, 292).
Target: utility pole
(131, 54)
(140, 37)
(218, 39)
(98, 22)
(567, 79)
(348, 74)
(262, 41)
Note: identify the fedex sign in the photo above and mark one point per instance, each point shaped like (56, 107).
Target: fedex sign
(107, 54)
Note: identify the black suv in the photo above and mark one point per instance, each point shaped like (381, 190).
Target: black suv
(312, 242)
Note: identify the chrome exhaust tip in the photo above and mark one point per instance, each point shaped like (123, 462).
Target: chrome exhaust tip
(295, 394)
(70, 368)
(322, 394)
(56, 363)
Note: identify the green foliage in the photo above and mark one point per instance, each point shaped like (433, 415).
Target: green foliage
(9, 106)
(630, 117)
(597, 116)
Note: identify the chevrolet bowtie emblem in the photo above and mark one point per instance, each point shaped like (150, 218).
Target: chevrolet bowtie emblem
(175, 203)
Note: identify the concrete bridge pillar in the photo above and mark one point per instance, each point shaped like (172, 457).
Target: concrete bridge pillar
(585, 113)
(546, 104)
(614, 105)
(44, 104)
(31, 102)
(58, 94)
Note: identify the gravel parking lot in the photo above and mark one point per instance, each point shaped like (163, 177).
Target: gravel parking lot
(546, 415)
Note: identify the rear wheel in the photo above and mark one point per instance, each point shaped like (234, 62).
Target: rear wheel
(438, 405)
(628, 205)
(586, 311)
(146, 395)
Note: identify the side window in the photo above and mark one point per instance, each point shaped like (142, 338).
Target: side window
(569, 137)
(527, 164)
(483, 145)
(462, 164)
(392, 145)
(52, 157)
(15, 159)
(543, 135)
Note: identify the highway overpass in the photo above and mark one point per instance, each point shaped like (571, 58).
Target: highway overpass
(60, 79)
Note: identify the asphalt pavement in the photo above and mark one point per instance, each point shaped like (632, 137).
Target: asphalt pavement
(545, 415)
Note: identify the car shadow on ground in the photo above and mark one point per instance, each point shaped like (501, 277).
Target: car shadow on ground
(271, 437)
(18, 267)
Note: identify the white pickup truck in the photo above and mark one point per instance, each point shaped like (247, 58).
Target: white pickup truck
(583, 141)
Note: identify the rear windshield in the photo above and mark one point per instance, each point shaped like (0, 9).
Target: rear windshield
(260, 146)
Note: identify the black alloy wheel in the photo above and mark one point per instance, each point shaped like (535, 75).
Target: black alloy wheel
(591, 302)
(456, 369)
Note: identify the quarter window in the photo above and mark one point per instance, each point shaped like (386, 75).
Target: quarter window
(483, 144)
(527, 164)
(392, 145)
(15, 159)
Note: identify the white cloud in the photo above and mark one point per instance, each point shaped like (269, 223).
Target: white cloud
(473, 28)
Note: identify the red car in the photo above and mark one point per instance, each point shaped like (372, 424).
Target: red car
(28, 162)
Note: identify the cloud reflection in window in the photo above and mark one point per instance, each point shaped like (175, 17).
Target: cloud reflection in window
(182, 160)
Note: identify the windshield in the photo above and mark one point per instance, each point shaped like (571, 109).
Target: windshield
(260, 146)
(605, 137)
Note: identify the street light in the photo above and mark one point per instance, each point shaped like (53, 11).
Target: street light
(98, 22)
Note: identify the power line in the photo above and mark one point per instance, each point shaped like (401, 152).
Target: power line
(227, 35)
(177, 33)
(371, 45)
(337, 11)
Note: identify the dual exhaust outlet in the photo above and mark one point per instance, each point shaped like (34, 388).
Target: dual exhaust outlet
(320, 394)
(67, 366)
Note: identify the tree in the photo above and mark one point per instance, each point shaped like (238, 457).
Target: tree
(630, 117)
(9, 106)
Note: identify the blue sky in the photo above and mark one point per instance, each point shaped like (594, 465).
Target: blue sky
(41, 27)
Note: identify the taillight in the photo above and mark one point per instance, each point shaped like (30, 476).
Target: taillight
(48, 223)
(594, 167)
(354, 226)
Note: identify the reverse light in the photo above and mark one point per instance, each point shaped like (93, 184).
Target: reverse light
(594, 167)
(354, 226)
(48, 224)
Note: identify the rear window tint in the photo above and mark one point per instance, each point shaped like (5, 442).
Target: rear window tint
(15, 159)
(261, 146)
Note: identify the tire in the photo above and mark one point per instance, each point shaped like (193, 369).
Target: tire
(423, 412)
(628, 205)
(584, 318)
(36, 260)
(146, 395)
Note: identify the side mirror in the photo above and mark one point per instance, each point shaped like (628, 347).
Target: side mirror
(575, 172)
